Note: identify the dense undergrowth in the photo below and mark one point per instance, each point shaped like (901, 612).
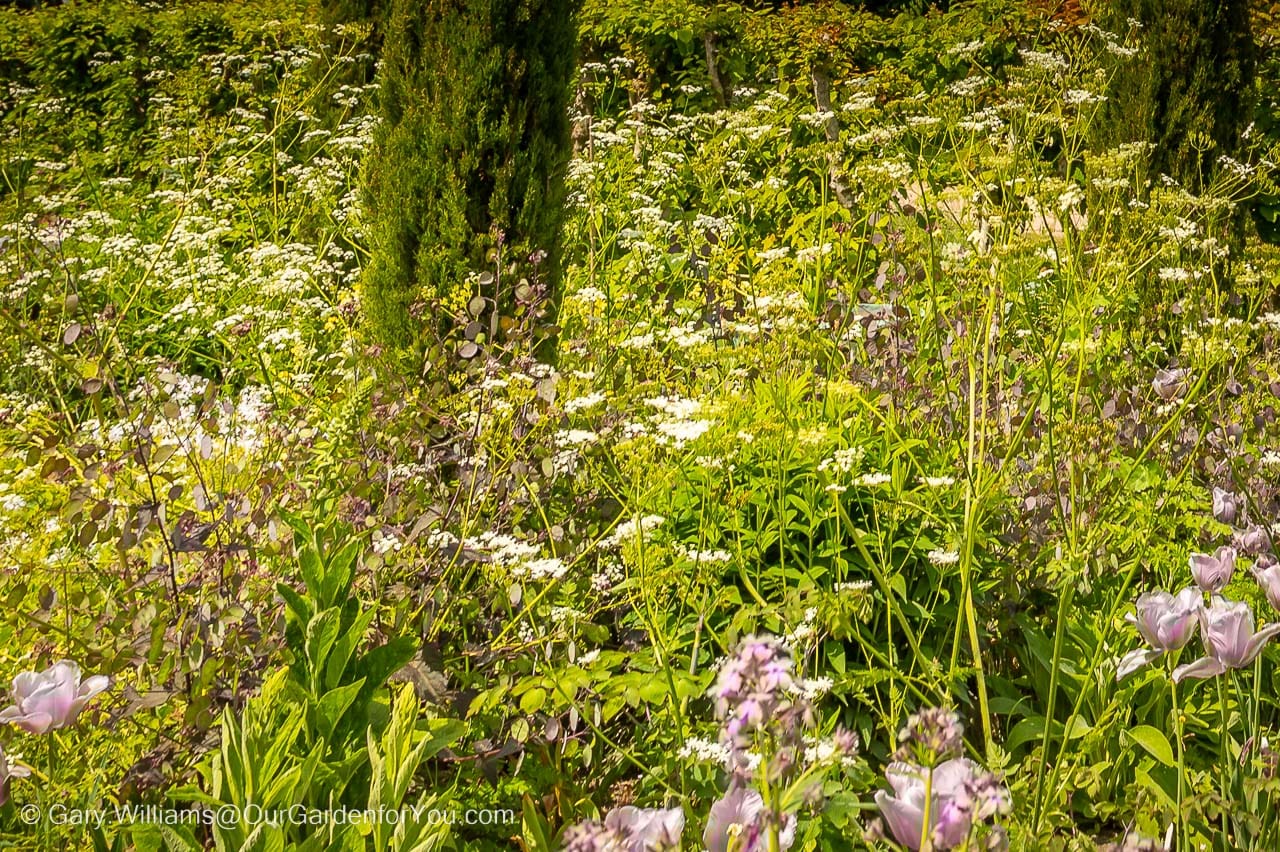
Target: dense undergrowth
(936, 442)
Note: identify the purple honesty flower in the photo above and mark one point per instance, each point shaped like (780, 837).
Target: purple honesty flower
(44, 701)
(1212, 573)
(1166, 622)
(7, 771)
(1267, 572)
(1170, 384)
(739, 821)
(1226, 505)
(1226, 628)
(951, 802)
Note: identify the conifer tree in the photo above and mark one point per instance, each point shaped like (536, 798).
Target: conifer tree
(470, 157)
(1188, 93)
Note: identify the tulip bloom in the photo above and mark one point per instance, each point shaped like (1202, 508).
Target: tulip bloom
(737, 822)
(1267, 573)
(7, 771)
(1166, 622)
(1170, 384)
(1212, 573)
(949, 816)
(647, 828)
(628, 829)
(1253, 540)
(1225, 505)
(1229, 640)
(45, 701)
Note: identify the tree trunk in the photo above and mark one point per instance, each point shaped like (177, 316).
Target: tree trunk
(831, 127)
(713, 69)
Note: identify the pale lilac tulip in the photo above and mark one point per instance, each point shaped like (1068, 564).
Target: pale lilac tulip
(1254, 540)
(1226, 505)
(1166, 622)
(950, 817)
(738, 820)
(1267, 572)
(628, 829)
(1212, 573)
(1170, 384)
(45, 701)
(7, 771)
(647, 829)
(1229, 640)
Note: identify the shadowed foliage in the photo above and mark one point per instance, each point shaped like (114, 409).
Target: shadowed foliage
(1188, 93)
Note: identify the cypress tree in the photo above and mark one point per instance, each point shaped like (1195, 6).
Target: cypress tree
(348, 11)
(1188, 94)
(469, 159)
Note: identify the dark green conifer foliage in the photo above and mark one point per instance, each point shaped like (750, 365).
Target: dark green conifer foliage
(349, 11)
(474, 143)
(1189, 94)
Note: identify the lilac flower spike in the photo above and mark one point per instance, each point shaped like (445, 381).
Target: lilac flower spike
(1229, 640)
(1226, 505)
(753, 684)
(1166, 622)
(1212, 573)
(51, 699)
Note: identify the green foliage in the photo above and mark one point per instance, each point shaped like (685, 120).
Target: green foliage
(325, 627)
(918, 440)
(320, 736)
(467, 168)
(829, 35)
(665, 40)
(1189, 92)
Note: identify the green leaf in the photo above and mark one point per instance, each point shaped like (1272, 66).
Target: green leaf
(296, 603)
(322, 631)
(442, 733)
(330, 708)
(312, 571)
(534, 828)
(533, 700)
(1155, 743)
(344, 646)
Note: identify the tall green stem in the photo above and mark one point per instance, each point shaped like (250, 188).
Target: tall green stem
(1177, 728)
(1223, 760)
(926, 839)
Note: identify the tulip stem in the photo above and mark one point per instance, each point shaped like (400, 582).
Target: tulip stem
(1177, 728)
(1223, 758)
(53, 765)
(927, 817)
(773, 812)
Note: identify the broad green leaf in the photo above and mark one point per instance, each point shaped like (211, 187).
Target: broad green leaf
(1153, 741)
